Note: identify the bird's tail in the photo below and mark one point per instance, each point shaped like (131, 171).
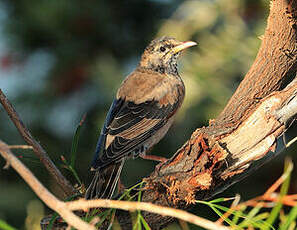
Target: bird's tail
(104, 181)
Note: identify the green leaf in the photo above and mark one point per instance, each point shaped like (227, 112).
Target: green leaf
(75, 142)
(219, 200)
(103, 216)
(283, 191)
(140, 220)
(52, 221)
(144, 223)
(71, 169)
(292, 216)
(223, 208)
(127, 191)
(257, 221)
(137, 225)
(249, 219)
(238, 214)
(6, 226)
(215, 208)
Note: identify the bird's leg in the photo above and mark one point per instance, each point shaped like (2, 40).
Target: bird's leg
(121, 186)
(152, 157)
(142, 153)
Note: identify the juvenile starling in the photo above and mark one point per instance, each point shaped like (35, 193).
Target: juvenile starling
(140, 115)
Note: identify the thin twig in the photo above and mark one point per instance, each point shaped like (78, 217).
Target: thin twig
(20, 147)
(230, 211)
(285, 200)
(279, 181)
(269, 195)
(64, 209)
(132, 206)
(48, 198)
(291, 142)
(37, 148)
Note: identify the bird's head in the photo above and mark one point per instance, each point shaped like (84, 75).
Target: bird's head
(162, 53)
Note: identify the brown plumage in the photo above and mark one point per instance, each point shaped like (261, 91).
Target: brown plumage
(140, 115)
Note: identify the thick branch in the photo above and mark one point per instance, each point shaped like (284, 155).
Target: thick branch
(246, 134)
(37, 148)
(65, 209)
(133, 206)
(273, 68)
(49, 199)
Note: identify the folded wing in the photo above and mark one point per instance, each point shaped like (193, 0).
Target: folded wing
(127, 126)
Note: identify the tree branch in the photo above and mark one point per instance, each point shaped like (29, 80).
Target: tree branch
(65, 209)
(245, 135)
(274, 66)
(133, 206)
(37, 148)
(49, 199)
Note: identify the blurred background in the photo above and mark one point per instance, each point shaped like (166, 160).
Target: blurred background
(62, 59)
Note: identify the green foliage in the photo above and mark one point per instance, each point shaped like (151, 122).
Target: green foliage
(257, 217)
(283, 191)
(52, 221)
(55, 215)
(241, 217)
(70, 166)
(108, 214)
(290, 220)
(140, 221)
(5, 226)
(71, 169)
(75, 142)
(67, 58)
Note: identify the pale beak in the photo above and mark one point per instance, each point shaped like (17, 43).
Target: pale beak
(183, 46)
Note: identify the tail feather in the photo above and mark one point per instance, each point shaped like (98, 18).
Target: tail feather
(104, 181)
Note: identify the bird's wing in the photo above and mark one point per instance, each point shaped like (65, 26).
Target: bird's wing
(144, 103)
(113, 110)
(127, 126)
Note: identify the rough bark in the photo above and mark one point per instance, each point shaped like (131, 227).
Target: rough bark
(247, 133)
(65, 185)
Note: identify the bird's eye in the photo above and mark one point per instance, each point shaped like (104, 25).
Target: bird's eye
(162, 49)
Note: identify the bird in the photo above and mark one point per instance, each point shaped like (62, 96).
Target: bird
(140, 115)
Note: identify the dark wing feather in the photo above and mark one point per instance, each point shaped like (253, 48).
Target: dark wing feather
(139, 121)
(113, 110)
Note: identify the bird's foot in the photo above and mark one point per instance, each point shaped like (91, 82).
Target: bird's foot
(153, 158)
(121, 187)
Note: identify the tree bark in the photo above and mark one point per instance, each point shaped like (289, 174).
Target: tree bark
(65, 185)
(245, 135)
